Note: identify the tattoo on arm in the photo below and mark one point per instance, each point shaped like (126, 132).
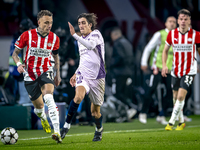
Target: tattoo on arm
(57, 63)
(15, 55)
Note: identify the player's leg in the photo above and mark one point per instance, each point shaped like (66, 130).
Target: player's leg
(175, 82)
(47, 88)
(35, 95)
(180, 116)
(185, 84)
(178, 106)
(73, 106)
(47, 92)
(95, 110)
(96, 95)
(153, 83)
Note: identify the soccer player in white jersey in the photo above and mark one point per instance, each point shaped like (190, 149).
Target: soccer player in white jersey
(184, 42)
(89, 77)
(39, 80)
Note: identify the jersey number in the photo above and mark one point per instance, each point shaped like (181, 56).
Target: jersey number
(188, 80)
(50, 75)
(79, 79)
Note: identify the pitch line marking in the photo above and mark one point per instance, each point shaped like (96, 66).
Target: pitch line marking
(119, 131)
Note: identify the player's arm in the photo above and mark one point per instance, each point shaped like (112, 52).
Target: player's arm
(57, 78)
(164, 60)
(148, 49)
(20, 66)
(90, 44)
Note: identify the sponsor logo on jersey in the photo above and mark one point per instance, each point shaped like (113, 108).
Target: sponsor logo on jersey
(183, 47)
(49, 44)
(39, 52)
(189, 40)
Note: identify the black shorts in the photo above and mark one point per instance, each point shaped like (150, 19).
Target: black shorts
(34, 87)
(184, 82)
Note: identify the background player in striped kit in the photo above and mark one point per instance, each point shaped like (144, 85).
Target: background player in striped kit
(90, 76)
(38, 72)
(184, 42)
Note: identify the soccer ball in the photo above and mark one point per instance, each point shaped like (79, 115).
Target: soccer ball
(9, 136)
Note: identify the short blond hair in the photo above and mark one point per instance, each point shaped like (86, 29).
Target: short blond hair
(44, 13)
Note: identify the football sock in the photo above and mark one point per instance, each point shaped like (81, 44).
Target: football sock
(181, 117)
(71, 111)
(53, 112)
(67, 125)
(178, 106)
(40, 113)
(98, 123)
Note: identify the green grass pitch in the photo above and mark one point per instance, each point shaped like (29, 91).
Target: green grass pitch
(131, 135)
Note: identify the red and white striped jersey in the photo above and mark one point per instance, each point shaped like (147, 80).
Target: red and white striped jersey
(38, 52)
(184, 51)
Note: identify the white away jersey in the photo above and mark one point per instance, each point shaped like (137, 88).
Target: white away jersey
(91, 50)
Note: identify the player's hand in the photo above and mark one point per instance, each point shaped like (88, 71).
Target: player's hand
(73, 80)
(164, 71)
(57, 80)
(144, 68)
(20, 68)
(71, 28)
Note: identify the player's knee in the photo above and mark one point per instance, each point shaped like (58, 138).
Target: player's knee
(96, 115)
(39, 106)
(44, 92)
(78, 99)
(180, 98)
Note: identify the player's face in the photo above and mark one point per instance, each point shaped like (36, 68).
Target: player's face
(184, 21)
(45, 23)
(170, 23)
(84, 26)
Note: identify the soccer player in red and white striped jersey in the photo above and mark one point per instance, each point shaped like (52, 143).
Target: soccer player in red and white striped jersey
(41, 44)
(184, 41)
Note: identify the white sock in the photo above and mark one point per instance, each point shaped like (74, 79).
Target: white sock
(40, 113)
(53, 112)
(99, 130)
(181, 117)
(67, 125)
(178, 106)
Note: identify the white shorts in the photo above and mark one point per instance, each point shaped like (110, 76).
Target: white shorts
(95, 88)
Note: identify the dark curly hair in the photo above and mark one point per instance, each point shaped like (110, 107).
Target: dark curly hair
(91, 18)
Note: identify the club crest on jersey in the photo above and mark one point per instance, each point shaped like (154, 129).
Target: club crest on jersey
(49, 44)
(189, 40)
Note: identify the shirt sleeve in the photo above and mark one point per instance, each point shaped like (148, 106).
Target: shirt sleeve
(169, 38)
(22, 40)
(155, 40)
(197, 38)
(57, 44)
(91, 42)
